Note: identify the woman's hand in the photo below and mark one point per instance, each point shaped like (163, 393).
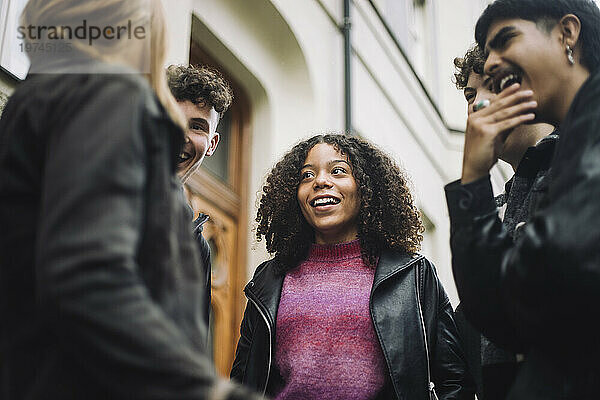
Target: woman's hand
(488, 128)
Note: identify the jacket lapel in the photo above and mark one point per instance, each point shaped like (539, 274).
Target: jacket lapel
(266, 288)
(395, 314)
(392, 262)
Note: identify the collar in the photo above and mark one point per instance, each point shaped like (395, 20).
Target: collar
(199, 222)
(537, 158)
(334, 252)
(392, 262)
(586, 96)
(265, 287)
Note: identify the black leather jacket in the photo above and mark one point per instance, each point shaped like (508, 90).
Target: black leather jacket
(399, 318)
(540, 293)
(493, 367)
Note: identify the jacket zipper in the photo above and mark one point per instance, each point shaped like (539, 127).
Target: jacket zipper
(431, 386)
(264, 316)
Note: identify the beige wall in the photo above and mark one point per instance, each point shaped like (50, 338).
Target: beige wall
(288, 56)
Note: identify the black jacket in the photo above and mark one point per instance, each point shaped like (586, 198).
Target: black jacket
(540, 293)
(204, 251)
(398, 318)
(100, 286)
(494, 368)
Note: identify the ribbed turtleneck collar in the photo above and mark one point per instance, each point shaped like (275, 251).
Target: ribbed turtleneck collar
(335, 252)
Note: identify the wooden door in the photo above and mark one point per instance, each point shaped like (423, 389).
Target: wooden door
(220, 232)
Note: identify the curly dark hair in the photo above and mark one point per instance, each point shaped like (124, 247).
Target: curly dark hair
(200, 85)
(388, 217)
(473, 61)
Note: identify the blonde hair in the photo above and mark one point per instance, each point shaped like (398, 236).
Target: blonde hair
(61, 13)
(158, 75)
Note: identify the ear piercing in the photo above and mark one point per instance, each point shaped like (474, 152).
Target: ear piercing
(481, 104)
(570, 55)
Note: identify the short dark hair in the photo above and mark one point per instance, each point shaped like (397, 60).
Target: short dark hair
(473, 61)
(544, 11)
(388, 217)
(200, 85)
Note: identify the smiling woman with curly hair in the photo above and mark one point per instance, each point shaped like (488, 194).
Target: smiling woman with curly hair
(346, 309)
(387, 216)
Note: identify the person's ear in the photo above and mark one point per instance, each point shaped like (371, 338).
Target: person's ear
(212, 146)
(570, 29)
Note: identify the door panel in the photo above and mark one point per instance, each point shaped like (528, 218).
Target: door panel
(220, 232)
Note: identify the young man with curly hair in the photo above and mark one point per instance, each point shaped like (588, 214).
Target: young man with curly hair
(538, 293)
(203, 95)
(529, 150)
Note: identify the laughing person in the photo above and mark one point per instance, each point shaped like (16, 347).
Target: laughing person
(543, 57)
(529, 150)
(203, 96)
(343, 308)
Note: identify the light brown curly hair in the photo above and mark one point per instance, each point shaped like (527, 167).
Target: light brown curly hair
(200, 85)
(473, 61)
(388, 217)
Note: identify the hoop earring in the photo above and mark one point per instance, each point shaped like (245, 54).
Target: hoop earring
(570, 55)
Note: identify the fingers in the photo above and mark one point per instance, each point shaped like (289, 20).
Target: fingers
(511, 123)
(517, 109)
(507, 98)
(500, 122)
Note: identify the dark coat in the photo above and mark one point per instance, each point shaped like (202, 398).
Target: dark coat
(400, 280)
(100, 285)
(494, 368)
(540, 294)
(204, 251)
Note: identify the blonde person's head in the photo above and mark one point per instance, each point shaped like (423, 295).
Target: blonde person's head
(145, 56)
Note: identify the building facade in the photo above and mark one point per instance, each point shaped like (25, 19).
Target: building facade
(288, 61)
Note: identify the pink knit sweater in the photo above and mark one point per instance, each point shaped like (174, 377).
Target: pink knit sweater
(326, 344)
